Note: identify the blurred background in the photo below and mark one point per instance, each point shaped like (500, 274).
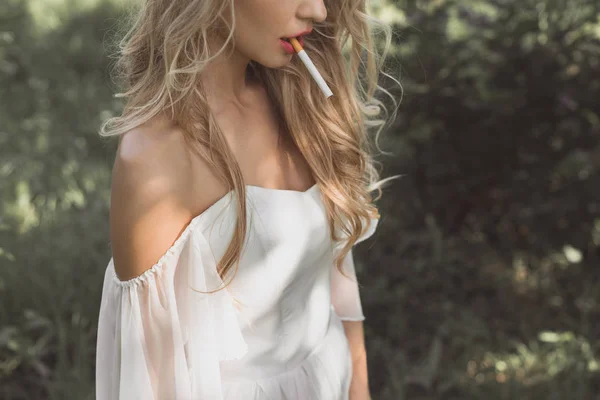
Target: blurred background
(482, 280)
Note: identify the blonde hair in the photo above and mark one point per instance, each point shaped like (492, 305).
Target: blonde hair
(160, 59)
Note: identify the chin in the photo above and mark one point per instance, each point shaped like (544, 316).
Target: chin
(275, 62)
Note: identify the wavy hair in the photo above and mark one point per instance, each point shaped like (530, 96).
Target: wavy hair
(165, 49)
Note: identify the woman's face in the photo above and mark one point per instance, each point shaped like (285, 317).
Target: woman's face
(260, 24)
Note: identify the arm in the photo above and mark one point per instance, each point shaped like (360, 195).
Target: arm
(147, 189)
(158, 338)
(346, 301)
(146, 216)
(359, 388)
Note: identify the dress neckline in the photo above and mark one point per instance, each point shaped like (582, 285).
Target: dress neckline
(180, 240)
(281, 190)
(256, 189)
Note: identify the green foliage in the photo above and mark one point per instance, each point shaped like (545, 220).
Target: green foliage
(493, 244)
(482, 279)
(55, 173)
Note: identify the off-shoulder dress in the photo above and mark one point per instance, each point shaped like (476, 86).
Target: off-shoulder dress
(275, 333)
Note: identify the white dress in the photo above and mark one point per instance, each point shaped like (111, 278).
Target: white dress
(274, 333)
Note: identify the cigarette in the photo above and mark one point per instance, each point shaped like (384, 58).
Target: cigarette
(311, 68)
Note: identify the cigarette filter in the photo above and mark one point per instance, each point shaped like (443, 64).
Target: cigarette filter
(311, 68)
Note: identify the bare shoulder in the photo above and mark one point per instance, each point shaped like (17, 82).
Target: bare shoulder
(150, 139)
(149, 196)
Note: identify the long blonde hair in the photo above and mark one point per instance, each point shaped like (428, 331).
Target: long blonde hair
(160, 59)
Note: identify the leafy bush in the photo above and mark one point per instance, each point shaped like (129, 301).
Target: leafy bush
(493, 243)
(55, 175)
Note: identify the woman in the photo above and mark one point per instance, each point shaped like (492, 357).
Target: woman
(238, 192)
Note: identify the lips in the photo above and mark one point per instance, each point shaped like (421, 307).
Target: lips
(299, 38)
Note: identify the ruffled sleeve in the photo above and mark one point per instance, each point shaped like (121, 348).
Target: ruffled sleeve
(157, 337)
(345, 295)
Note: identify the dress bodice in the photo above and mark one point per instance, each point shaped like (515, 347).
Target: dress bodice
(268, 323)
(283, 281)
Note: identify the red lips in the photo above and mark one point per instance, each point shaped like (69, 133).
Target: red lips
(299, 34)
(300, 40)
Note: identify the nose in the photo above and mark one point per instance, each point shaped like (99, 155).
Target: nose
(313, 9)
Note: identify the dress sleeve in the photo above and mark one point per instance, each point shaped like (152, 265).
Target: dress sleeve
(160, 339)
(345, 296)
